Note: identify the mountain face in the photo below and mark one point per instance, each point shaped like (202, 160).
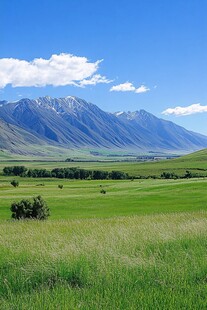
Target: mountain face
(16, 139)
(73, 122)
(164, 133)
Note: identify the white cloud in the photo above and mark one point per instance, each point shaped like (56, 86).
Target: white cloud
(127, 86)
(142, 89)
(58, 70)
(181, 111)
(95, 79)
(123, 87)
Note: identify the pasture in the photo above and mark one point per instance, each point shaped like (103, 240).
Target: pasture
(196, 163)
(82, 199)
(142, 245)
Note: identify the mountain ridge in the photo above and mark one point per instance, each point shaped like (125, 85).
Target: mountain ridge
(74, 122)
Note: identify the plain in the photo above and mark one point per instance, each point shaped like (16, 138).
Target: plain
(142, 245)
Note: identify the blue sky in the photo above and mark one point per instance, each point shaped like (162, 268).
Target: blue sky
(120, 55)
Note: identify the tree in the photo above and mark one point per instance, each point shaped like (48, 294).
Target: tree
(169, 175)
(26, 209)
(118, 175)
(14, 183)
(15, 170)
(100, 175)
(22, 209)
(19, 170)
(8, 170)
(188, 174)
(40, 209)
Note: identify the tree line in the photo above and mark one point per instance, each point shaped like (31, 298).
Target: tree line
(83, 174)
(65, 173)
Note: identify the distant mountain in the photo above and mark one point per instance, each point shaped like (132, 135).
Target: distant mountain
(16, 139)
(73, 122)
(164, 134)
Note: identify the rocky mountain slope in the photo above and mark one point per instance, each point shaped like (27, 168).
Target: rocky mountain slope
(16, 139)
(73, 122)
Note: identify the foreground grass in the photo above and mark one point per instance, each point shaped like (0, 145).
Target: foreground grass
(138, 262)
(142, 245)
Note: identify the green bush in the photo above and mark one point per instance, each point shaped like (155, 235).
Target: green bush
(15, 183)
(188, 174)
(169, 175)
(26, 209)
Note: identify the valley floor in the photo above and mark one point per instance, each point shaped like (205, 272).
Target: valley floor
(142, 245)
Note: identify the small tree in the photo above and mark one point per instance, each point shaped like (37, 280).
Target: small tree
(60, 186)
(40, 209)
(36, 209)
(188, 174)
(14, 183)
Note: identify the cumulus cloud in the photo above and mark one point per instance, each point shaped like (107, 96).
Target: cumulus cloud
(181, 111)
(142, 89)
(95, 79)
(127, 86)
(58, 70)
(123, 87)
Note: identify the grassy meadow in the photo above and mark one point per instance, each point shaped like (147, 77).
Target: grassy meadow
(142, 245)
(134, 262)
(82, 199)
(196, 163)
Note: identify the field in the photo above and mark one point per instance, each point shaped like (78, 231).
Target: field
(195, 163)
(82, 199)
(142, 245)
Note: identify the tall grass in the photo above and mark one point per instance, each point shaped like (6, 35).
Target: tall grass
(137, 262)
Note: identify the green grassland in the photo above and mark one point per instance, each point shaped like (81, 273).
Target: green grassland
(196, 163)
(82, 199)
(142, 245)
(45, 152)
(132, 262)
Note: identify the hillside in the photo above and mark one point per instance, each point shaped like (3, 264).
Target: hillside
(199, 157)
(164, 133)
(16, 139)
(195, 162)
(16, 142)
(72, 122)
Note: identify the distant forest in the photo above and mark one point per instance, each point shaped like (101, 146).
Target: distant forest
(65, 173)
(83, 174)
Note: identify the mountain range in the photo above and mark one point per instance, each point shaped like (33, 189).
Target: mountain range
(72, 122)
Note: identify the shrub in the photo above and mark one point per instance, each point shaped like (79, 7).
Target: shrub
(15, 183)
(102, 191)
(26, 209)
(60, 186)
(169, 175)
(188, 174)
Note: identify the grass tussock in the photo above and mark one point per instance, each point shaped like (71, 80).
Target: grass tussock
(137, 262)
